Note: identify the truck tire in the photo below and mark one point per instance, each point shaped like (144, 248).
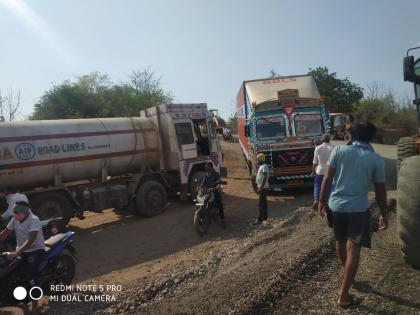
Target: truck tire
(408, 210)
(52, 205)
(405, 149)
(347, 137)
(195, 181)
(150, 199)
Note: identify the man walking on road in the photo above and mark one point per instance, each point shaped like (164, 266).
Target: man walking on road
(262, 188)
(321, 156)
(351, 170)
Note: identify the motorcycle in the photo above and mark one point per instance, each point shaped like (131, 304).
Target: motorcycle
(227, 136)
(206, 210)
(57, 268)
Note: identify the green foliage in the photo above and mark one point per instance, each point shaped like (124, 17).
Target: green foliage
(340, 94)
(94, 95)
(233, 123)
(387, 113)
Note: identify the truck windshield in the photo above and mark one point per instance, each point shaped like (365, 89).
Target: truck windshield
(340, 120)
(270, 128)
(308, 125)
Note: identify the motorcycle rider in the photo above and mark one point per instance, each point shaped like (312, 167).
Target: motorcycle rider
(11, 197)
(212, 180)
(30, 243)
(227, 133)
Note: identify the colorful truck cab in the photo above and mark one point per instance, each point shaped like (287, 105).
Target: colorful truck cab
(283, 118)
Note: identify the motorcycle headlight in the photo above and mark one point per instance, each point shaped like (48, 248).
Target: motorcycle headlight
(200, 199)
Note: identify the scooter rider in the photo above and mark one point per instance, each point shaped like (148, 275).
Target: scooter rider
(30, 243)
(212, 180)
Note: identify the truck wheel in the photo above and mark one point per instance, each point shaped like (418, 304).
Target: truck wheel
(405, 149)
(52, 205)
(347, 137)
(150, 199)
(408, 210)
(195, 181)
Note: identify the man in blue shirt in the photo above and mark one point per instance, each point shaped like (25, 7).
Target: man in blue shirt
(351, 171)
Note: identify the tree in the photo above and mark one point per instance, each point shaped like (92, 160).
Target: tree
(339, 94)
(273, 74)
(10, 105)
(233, 123)
(94, 95)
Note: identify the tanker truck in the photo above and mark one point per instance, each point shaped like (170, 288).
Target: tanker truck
(66, 167)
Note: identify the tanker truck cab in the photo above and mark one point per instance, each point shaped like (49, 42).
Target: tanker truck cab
(283, 118)
(189, 141)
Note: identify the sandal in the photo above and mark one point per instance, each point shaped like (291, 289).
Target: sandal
(353, 301)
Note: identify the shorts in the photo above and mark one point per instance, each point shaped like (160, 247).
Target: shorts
(317, 186)
(353, 226)
(31, 262)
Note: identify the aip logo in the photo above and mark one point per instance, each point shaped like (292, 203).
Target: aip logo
(25, 151)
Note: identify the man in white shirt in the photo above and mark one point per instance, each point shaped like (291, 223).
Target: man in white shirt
(30, 243)
(262, 185)
(11, 197)
(321, 155)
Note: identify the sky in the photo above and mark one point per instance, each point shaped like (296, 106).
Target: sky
(203, 49)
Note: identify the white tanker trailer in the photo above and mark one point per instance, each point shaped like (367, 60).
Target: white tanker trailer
(70, 166)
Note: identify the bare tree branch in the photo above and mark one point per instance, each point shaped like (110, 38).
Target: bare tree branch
(374, 90)
(10, 104)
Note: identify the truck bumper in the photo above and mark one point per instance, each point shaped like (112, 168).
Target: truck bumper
(277, 182)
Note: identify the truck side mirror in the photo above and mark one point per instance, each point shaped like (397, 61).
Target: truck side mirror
(246, 130)
(408, 69)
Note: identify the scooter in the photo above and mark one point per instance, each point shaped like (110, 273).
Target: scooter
(57, 268)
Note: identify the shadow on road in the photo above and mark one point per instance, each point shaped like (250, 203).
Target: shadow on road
(131, 240)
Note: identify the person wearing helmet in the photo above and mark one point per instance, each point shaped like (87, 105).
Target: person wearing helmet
(262, 188)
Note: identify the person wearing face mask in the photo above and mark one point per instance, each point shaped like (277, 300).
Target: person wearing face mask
(30, 243)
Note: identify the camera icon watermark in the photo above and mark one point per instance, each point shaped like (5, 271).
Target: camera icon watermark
(35, 293)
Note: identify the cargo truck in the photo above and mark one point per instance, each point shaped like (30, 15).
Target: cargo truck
(73, 165)
(282, 117)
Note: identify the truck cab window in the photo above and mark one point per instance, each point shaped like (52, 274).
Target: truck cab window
(184, 133)
(269, 128)
(308, 125)
(203, 141)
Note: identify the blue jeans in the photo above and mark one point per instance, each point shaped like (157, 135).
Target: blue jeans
(317, 186)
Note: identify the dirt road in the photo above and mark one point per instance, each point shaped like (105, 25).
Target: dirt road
(287, 266)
